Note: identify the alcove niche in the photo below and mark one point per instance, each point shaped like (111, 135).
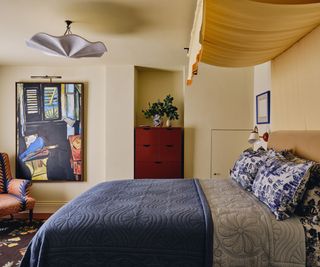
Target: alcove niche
(153, 84)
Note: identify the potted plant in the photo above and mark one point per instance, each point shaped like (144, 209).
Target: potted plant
(155, 111)
(170, 110)
(158, 109)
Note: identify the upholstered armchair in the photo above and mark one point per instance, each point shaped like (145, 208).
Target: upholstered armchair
(14, 193)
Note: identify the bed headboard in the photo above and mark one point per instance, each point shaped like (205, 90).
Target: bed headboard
(305, 144)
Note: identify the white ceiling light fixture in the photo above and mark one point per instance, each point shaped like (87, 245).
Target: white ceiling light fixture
(68, 45)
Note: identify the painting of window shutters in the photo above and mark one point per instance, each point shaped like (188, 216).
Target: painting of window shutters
(49, 135)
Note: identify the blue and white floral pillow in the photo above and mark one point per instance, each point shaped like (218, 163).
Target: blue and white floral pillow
(310, 204)
(247, 166)
(280, 184)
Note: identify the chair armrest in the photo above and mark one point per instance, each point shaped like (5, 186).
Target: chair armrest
(19, 187)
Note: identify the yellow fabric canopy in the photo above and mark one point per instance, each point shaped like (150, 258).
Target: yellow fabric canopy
(240, 33)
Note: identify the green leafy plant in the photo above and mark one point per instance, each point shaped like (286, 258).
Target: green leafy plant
(156, 108)
(171, 111)
(162, 108)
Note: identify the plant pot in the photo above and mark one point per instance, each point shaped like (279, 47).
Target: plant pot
(157, 121)
(168, 123)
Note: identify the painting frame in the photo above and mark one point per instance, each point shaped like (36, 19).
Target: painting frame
(263, 108)
(53, 128)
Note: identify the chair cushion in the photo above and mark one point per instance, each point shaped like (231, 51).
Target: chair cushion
(10, 204)
(19, 187)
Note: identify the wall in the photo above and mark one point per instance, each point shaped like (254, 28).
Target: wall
(109, 120)
(154, 84)
(120, 99)
(295, 86)
(218, 98)
(261, 83)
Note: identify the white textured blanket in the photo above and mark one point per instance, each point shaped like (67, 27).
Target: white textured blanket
(247, 234)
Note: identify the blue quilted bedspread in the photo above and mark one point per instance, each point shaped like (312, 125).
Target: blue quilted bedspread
(128, 223)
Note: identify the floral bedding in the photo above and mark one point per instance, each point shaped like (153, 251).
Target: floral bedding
(246, 233)
(246, 167)
(287, 184)
(312, 239)
(280, 184)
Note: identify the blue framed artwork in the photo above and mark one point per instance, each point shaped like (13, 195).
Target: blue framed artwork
(263, 108)
(49, 131)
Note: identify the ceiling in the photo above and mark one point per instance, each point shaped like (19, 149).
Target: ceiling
(148, 33)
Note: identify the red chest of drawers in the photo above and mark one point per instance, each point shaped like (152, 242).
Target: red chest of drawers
(158, 152)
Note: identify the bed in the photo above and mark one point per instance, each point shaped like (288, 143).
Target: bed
(183, 223)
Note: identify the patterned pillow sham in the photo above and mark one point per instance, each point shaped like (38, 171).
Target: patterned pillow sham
(312, 234)
(280, 184)
(247, 166)
(310, 204)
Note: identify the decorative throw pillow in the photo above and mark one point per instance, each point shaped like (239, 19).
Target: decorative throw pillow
(280, 184)
(310, 204)
(246, 167)
(312, 233)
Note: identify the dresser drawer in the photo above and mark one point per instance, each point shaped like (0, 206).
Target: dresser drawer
(170, 152)
(147, 152)
(146, 136)
(157, 169)
(146, 170)
(170, 136)
(171, 170)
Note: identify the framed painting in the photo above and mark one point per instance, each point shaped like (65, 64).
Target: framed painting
(49, 131)
(263, 108)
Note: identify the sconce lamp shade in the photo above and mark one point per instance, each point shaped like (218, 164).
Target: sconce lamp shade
(68, 45)
(253, 137)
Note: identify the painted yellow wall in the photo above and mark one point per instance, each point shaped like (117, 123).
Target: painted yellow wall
(120, 98)
(154, 84)
(296, 86)
(219, 98)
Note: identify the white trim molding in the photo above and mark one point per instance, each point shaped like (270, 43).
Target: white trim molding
(48, 206)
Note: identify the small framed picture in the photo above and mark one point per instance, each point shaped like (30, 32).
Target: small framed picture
(263, 108)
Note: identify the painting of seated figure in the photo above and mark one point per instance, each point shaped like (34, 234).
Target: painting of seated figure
(49, 131)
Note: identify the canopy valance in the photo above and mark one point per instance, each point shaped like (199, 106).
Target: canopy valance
(241, 33)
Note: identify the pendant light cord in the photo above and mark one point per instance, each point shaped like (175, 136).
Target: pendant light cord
(68, 30)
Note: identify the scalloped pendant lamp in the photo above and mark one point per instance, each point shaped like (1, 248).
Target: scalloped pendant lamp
(68, 45)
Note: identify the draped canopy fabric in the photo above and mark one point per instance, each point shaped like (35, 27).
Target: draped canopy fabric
(241, 33)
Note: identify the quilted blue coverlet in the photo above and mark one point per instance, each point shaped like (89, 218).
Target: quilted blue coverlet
(128, 223)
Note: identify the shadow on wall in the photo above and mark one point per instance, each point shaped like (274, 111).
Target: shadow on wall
(189, 152)
(104, 17)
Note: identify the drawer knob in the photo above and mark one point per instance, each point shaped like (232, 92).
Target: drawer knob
(146, 145)
(158, 162)
(169, 145)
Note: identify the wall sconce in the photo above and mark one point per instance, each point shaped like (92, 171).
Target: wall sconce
(255, 137)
